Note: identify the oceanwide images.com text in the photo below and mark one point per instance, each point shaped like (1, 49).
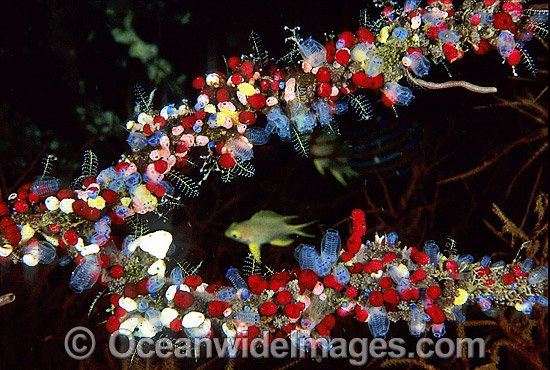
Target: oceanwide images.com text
(357, 350)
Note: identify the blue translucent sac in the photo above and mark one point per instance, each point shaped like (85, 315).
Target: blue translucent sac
(167, 110)
(420, 65)
(485, 261)
(176, 276)
(240, 149)
(438, 330)
(132, 180)
(116, 185)
(378, 321)
(198, 128)
(526, 266)
(86, 274)
(313, 52)
(392, 238)
(373, 66)
(411, 5)
(323, 112)
(542, 301)
(168, 187)
(257, 135)
(432, 250)
(45, 186)
(155, 283)
(400, 33)
(341, 107)
(432, 19)
(305, 255)
(154, 139)
(126, 244)
(400, 275)
(487, 306)
(526, 307)
(498, 264)
(399, 95)
(342, 274)
(106, 176)
(304, 119)
(506, 43)
(227, 294)
(279, 119)
(270, 128)
(136, 141)
(464, 261)
(322, 266)
(307, 323)
(153, 316)
(249, 318)
(417, 325)
(99, 239)
(460, 316)
(538, 275)
(122, 211)
(234, 276)
(64, 260)
(447, 36)
(330, 245)
(46, 253)
(143, 305)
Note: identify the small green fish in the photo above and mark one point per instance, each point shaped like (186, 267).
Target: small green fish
(263, 228)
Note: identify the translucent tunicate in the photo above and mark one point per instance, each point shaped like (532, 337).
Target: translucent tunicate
(498, 264)
(313, 52)
(417, 325)
(303, 117)
(249, 318)
(538, 275)
(526, 266)
(234, 276)
(305, 255)
(307, 323)
(126, 244)
(506, 43)
(485, 261)
(64, 260)
(86, 274)
(411, 5)
(280, 121)
(153, 316)
(198, 128)
(432, 19)
(487, 306)
(460, 316)
(542, 301)
(322, 109)
(227, 294)
(240, 149)
(392, 238)
(106, 176)
(132, 180)
(213, 120)
(399, 95)
(447, 36)
(46, 253)
(464, 261)
(270, 128)
(400, 275)
(340, 107)
(373, 66)
(167, 110)
(176, 276)
(155, 283)
(116, 185)
(400, 33)
(136, 141)
(102, 226)
(99, 239)
(330, 245)
(360, 52)
(432, 250)
(257, 135)
(168, 187)
(420, 65)
(341, 274)
(322, 266)
(438, 330)
(378, 321)
(123, 212)
(45, 186)
(154, 139)
(526, 307)
(143, 305)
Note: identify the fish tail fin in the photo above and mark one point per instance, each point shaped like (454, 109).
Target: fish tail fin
(298, 229)
(256, 250)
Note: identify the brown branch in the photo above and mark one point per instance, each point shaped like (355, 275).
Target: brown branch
(450, 84)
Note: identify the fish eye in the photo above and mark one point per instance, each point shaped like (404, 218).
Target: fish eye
(235, 235)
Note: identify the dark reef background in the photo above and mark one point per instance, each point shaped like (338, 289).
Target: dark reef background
(67, 73)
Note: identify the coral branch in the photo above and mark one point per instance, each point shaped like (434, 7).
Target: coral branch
(451, 84)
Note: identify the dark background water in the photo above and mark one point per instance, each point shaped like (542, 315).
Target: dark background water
(66, 86)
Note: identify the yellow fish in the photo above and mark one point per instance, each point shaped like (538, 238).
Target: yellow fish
(263, 228)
